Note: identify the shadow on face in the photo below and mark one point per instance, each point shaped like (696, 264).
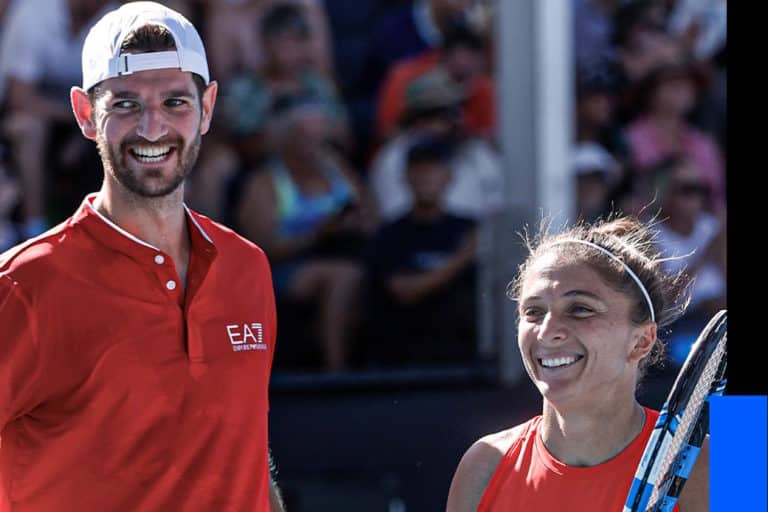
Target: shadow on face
(428, 180)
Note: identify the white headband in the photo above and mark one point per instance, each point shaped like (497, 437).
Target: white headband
(616, 258)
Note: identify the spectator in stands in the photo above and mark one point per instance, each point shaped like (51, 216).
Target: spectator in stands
(432, 107)
(287, 54)
(306, 209)
(667, 96)
(692, 240)
(596, 173)
(462, 54)
(9, 194)
(593, 25)
(642, 44)
(287, 70)
(597, 91)
(642, 40)
(701, 25)
(409, 30)
(39, 60)
(691, 237)
(423, 270)
(5, 6)
(235, 39)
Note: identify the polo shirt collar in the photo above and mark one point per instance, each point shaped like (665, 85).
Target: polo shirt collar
(115, 237)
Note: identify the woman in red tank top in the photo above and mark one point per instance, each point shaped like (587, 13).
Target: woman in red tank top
(590, 301)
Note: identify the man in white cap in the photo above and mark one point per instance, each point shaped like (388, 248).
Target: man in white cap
(137, 336)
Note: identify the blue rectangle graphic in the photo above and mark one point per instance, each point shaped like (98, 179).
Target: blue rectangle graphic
(738, 462)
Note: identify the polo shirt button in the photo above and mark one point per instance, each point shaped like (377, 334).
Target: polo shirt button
(159, 259)
(171, 285)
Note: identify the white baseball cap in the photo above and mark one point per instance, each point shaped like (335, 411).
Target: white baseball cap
(102, 58)
(589, 157)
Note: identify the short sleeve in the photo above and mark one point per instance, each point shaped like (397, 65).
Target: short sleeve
(20, 355)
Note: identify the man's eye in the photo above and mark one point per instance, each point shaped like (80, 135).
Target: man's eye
(124, 104)
(175, 102)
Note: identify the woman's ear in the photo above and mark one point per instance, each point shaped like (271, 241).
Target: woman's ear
(643, 340)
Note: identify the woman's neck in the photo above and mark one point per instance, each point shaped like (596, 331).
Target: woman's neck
(587, 437)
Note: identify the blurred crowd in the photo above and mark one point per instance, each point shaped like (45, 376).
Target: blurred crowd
(355, 142)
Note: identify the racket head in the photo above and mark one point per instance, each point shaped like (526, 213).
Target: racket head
(682, 424)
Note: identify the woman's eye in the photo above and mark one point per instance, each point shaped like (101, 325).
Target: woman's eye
(532, 313)
(581, 310)
(174, 102)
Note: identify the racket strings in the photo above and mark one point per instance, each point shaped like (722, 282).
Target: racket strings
(690, 416)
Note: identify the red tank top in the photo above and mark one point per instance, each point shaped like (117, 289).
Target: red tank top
(530, 478)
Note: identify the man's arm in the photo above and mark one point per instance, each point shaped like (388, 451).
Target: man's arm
(275, 499)
(411, 288)
(21, 357)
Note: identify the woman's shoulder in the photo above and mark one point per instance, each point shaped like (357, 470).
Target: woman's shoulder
(479, 464)
(486, 453)
(503, 440)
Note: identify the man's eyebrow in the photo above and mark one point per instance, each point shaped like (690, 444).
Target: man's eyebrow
(179, 93)
(173, 93)
(125, 94)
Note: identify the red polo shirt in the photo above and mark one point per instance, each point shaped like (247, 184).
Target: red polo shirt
(120, 391)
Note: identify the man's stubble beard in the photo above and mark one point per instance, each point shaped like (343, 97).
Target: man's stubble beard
(115, 166)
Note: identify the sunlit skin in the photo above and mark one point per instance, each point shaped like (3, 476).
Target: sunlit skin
(289, 54)
(675, 96)
(582, 351)
(155, 112)
(568, 312)
(428, 181)
(684, 207)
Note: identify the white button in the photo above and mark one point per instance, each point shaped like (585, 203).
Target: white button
(171, 285)
(159, 259)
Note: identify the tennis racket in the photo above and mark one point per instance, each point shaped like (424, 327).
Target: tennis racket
(683, 423)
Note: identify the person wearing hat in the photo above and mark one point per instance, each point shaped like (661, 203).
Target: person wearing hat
(663, 129)
(432, 107)
(423, 266)
(138, 335)
(462, 54)
(306, 207)
(40, 45)
(285, 38)
(596, 173)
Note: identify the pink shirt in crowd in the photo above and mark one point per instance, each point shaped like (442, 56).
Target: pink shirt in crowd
(648, 147)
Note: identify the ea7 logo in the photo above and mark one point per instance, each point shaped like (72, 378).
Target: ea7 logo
(246, 337)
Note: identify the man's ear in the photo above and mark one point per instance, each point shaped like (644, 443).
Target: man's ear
(208, 101)
(643, 341)
(83, 110)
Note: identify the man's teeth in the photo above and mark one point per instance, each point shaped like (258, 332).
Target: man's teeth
(558, 361)
(151, 154)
